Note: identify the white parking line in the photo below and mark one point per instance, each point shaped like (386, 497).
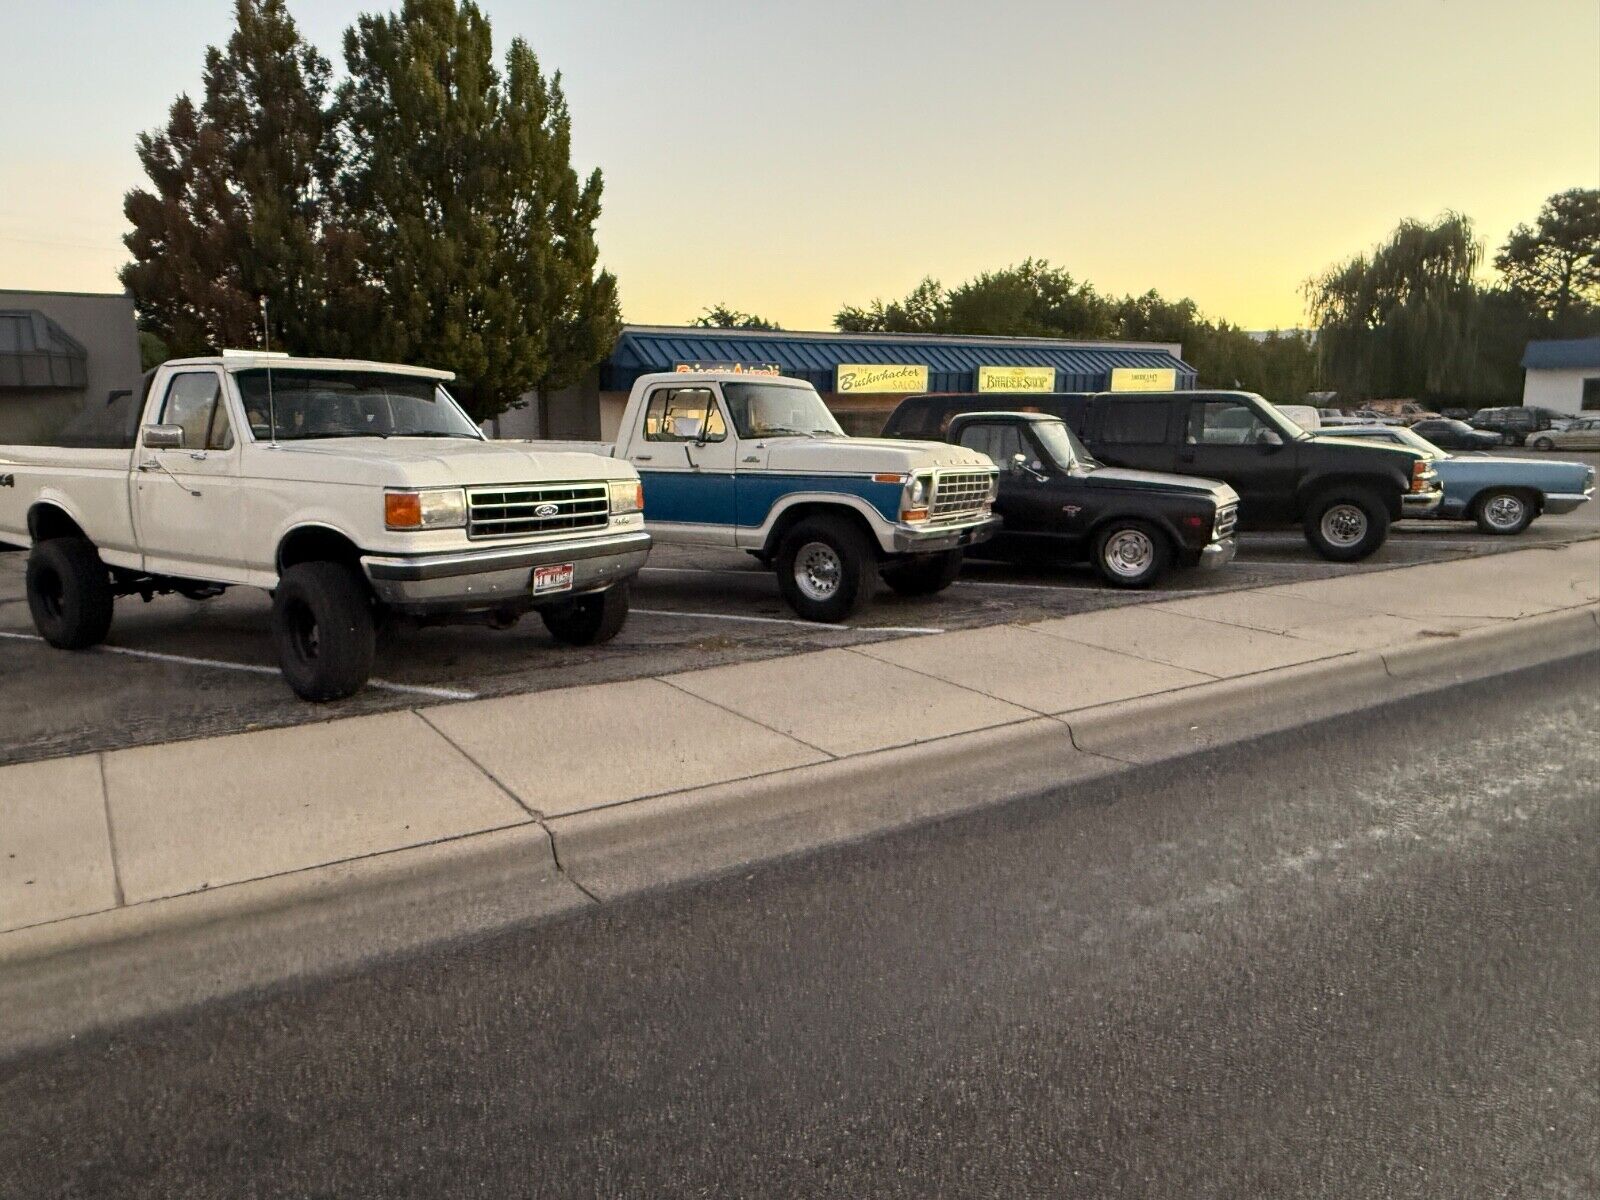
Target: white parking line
(705, 616)
(437, 693)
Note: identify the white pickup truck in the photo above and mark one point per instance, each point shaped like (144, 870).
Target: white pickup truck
(352, 491)
(758, 463)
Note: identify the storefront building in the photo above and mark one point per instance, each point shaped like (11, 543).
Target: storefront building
(860, 376)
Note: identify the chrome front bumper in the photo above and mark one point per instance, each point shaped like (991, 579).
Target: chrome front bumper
(502, 576)
(1557, 503)
(1420, 504)
(909, 540)
(1218, 554)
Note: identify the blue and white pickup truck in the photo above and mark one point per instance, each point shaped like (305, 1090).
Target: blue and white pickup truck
(758, 463)
(1503, 495)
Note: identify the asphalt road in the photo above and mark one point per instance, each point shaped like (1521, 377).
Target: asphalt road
(1352, 960)
(692, 608)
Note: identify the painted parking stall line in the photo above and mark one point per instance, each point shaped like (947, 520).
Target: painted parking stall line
(708, 616)
(185, 660)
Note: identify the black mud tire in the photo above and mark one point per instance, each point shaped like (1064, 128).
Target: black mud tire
(1131, 554)
(589, 620)
(69, 593)
(1504, 512)
(926, 575)
(1346, 525)
(325, 630)
(839, 562)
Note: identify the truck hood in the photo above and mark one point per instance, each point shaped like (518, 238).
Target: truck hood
(430, 462)
(1156, 481)
(840, 455)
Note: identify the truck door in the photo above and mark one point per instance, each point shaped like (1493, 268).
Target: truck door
(1225, 438)
(685, 458)
(186, 503)
(1030, 499)
(1133, 432)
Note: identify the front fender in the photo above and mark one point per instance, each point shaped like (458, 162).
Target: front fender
(757, 537)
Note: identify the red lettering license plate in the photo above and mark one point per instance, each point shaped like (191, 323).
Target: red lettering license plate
(555, 578)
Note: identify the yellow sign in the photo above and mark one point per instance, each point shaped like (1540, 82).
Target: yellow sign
(1016, 379)
(1144, 379)
(880, 377)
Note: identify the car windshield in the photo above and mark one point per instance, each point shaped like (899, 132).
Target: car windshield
(296, 404)
(1061, 444)
(761, 410)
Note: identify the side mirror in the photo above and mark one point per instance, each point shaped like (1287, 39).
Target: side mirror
(1271, 438)
(162, 437)
(1019, 463)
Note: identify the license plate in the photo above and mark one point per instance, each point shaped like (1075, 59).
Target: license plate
(555, 578)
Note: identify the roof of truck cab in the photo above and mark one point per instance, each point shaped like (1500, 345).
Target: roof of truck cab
(245, 360)
(720, 377)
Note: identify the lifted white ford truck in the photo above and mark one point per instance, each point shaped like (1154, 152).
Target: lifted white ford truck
(758, 463)
(352, 491)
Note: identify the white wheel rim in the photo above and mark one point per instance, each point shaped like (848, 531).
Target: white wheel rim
(818, 571)
(1129, 553)
(1344, 525)
(1503, 512)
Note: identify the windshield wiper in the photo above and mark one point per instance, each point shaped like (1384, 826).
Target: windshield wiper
(317, 437)
(434, 433)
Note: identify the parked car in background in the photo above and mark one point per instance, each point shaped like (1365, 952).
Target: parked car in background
(1454, 435)
(1373, 416)
(1342, 495)
(1455, 414)
(351, 491)
(1513, 425)
(758, 463)
(1503, 495)
(1303, 415)
(1059, 504)
(1337, 416)
(1581, 434)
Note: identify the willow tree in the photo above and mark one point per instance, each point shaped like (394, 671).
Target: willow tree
(1402, 319)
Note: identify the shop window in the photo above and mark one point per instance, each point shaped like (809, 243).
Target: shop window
(1591, 395)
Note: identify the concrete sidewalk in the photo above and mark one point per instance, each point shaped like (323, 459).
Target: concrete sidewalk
(581, 786)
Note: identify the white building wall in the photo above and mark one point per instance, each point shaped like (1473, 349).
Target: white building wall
(1561, 390)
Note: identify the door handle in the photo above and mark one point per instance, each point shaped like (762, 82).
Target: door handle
(1187, 456)
(198, 455)
(643, 457)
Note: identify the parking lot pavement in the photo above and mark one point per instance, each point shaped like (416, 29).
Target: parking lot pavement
(176, 669)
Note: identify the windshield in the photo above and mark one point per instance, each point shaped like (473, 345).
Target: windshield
(294, 405)
(778, 410)
(1061, 444)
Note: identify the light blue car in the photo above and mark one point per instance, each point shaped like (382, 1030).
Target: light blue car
(1503, 495)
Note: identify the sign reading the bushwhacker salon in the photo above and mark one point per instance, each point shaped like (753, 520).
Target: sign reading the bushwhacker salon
(880, 377)
(1144, 379)
(1016, 379)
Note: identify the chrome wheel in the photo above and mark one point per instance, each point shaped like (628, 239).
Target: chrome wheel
(1344, 525)
(1504, 511)
(818, 571)
(1543, 444)
(1129, 553)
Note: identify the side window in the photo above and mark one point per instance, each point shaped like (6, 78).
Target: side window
(1134, 422)
(194, 401)
(999, 441)
(1591, 395)
(681, 414)
(1223, 423)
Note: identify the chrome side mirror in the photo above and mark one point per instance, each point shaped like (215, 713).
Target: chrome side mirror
(162, 437)
(1270, 438)
(1019, 463)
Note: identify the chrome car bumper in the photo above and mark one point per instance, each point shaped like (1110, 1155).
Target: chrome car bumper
(502, 576)
(1564, 502)
(1218, 554)
(1421, 504)
(908, 540)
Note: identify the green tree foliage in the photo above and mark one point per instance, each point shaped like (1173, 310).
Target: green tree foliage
(480, 236)
(720, 316)
(1036, 299)
(240, 205)
(1554, 265)
(1402, 320)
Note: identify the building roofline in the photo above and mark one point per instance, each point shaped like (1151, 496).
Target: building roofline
(79, 295)
(834, 335)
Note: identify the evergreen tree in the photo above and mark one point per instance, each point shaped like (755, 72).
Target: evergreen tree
(1554, 267)
(479, 240)
(241, 206)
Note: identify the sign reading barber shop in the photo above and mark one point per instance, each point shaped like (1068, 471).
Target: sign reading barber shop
(880, 377)
(1016, 379)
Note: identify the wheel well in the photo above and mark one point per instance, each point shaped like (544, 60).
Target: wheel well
(46, 521)
(1159, 523)
(1385, 491)
(317, 543)
(1532, 495)
(791, 517)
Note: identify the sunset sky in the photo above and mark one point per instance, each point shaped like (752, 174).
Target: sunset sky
(787, 157)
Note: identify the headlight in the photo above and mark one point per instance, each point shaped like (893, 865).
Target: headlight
(437, 508)
(917, 491)
(994, 487)
(627, 496)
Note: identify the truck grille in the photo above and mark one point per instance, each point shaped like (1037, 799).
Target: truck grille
(958, 494)
(526, 510)
(1227, 519)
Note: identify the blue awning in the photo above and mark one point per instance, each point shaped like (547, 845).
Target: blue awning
(952, 362)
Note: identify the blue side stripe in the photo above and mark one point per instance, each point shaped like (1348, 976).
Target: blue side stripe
(713, 498)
